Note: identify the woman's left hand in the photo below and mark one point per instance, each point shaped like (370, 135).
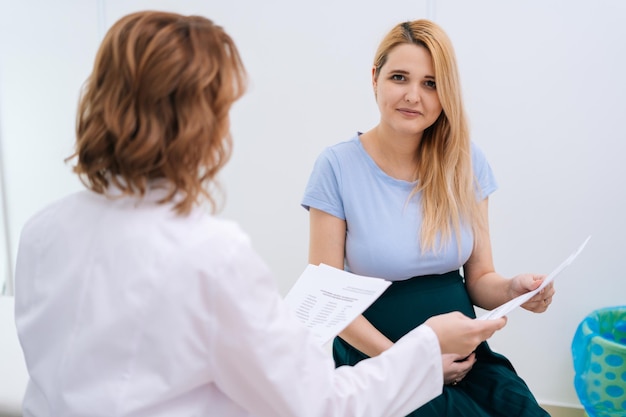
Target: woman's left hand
(455, 368)
(524, 283)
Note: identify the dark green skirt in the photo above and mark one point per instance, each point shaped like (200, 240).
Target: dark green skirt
(491, 388)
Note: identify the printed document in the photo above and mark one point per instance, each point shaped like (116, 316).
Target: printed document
(505, 308)
(327, 299)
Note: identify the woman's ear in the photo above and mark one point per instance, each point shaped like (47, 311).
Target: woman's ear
(374, 79)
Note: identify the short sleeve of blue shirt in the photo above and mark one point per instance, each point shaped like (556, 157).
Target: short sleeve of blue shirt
(322, 191)
(483, 172)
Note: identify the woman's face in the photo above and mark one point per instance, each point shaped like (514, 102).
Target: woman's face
(405, 90)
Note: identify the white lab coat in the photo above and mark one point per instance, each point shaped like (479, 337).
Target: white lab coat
(125, 309)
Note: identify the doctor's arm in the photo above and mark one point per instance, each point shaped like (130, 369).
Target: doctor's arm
(266, 361)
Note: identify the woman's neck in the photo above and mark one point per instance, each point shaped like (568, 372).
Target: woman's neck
(396, 155)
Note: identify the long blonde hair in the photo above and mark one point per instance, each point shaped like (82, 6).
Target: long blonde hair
(156, 106)
(445, 176)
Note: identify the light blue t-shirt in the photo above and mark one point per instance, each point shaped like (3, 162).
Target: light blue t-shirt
(383, 229)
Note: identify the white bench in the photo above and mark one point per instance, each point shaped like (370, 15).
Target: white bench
(13, 374)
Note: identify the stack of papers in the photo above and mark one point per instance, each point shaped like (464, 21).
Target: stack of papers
(327, 299)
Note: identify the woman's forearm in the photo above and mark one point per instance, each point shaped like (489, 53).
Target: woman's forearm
(362, 335)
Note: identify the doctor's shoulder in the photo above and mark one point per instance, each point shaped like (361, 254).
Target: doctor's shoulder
(53, 210)
(215, 233)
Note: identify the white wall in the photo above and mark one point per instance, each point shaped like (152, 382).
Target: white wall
(543, 83)
(46, 50)
(545, 90)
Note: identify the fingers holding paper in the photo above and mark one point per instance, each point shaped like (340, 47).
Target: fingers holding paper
(524, 283)
(459, 334)
(541, 301)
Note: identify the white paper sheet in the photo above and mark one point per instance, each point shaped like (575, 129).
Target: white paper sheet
(505, 308)
(327, 299)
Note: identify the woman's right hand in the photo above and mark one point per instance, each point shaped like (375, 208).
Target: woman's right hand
(459, 334)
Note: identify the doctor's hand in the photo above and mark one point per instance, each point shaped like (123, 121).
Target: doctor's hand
(524, 283)
(455, 367)
(459, 334)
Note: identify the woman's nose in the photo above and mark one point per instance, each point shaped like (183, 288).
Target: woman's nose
(412, 94)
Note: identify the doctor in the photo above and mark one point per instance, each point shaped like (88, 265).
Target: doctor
(133, 300)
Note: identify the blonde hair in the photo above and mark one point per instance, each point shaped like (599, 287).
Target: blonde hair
(156, 107)
(445, 176)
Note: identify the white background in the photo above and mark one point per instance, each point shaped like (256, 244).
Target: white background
(543, 84)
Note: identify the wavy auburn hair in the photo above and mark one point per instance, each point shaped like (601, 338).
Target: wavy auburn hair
(156, 107)
(445, 176)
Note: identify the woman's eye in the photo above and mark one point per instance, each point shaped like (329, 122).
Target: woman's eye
(398, 77)
(430, 84)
